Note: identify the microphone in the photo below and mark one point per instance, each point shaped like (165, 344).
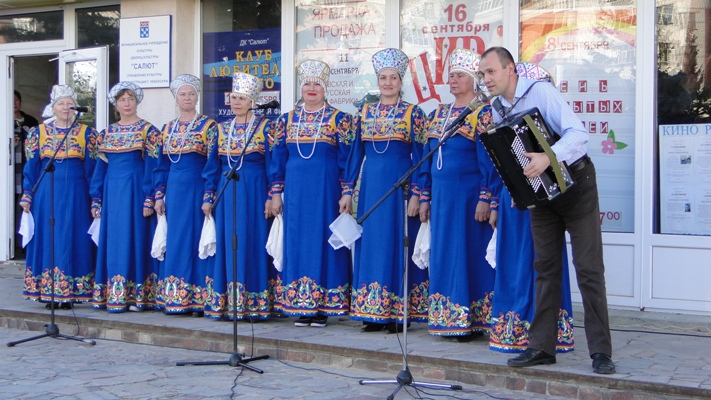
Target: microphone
(80, 109)
(271, 104)
(465, 113)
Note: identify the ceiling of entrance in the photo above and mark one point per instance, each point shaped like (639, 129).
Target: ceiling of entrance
(9, 4)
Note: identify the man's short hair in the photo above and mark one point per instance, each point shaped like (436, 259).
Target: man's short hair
(504, 55)
(18, 95)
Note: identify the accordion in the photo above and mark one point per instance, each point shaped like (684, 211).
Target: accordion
(506, 143)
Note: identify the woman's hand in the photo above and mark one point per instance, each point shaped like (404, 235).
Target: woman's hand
(25, 206)
(276, 204)
(207, 209)
(147, 212)
(268, 209)
(483, 209)
(424, 212)
(413, 206)
(345, 205)
(96, 212)
(493, 218)
(159, 207)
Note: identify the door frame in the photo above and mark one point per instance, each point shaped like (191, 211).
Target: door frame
(7, 84)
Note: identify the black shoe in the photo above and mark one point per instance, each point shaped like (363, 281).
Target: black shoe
(602, 364)
(372, 327)
(49, 306)
(531, 357)
(66, 306)
(303, 321)
(395, 327)
(319, 321)
(198, 314)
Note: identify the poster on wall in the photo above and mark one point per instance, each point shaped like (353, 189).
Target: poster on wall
(685, 179)
(145, 51)
(256, 52)
(591, 54)
(431, 30)
(345, 35)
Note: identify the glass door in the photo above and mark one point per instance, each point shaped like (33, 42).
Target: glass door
(87, 71)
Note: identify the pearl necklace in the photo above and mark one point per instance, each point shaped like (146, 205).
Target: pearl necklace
(391, 114)
(298, 130)
(441, 135)
(231, 160)
(173, 128)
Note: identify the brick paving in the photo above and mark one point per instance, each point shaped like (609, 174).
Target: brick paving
(658, 356)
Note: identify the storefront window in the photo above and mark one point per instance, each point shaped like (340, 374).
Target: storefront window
(589, 47)
(684, 116)
(431, 29)
(100, 27)
(345, 35)
(32, 27)
(240, 36)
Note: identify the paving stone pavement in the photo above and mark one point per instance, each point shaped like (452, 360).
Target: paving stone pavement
(661, 356)
(52, 368)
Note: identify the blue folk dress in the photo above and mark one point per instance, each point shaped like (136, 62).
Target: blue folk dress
(309, 156)
(73, 249)
(255, 291)
(183, 155)
(391, 139)
(455, 179)
(121, 187)
(515, 287)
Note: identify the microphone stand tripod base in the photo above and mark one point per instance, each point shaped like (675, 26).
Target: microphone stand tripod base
(235, 360)
(404, 378)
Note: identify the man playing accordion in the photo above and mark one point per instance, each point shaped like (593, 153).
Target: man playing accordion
(577, 211)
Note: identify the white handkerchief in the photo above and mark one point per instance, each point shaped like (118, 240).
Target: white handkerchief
(27, 228)
(159, 238)
(421, 253)
(94, 230)
(275, 242)
(491, 250)
(208, 238)
(345, 231)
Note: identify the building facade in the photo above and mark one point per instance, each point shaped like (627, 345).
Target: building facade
(638, 73)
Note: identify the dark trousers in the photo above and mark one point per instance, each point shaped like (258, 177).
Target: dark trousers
(578, 212)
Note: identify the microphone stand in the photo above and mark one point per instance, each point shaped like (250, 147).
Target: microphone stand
(404, 377)
(236, 359)
(52, 330)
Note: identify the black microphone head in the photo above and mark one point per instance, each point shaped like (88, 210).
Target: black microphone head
(271, 104)
(80, 109)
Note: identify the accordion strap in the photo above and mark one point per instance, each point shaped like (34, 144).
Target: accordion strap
(549, 152)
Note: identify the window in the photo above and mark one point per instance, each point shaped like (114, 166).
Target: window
(683, 116)
(32, 27)
(239, 36)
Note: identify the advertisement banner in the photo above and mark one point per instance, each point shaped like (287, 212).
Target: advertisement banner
(685, 179)
(256, 52)
(591, 54)
(431, 30)
(345, 35)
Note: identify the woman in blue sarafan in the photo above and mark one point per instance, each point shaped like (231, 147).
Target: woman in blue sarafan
(309, 155)
(248, 134)
(73, 271)
(390, 135)
(455, 180)
(185, 146)
(122, 196)
(515, 287)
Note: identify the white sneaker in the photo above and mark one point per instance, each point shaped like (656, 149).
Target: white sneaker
(133, 308)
